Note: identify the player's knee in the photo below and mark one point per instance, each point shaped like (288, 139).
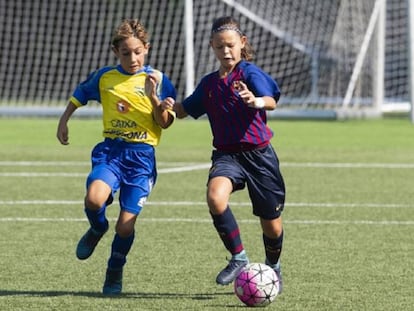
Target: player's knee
(216, 203)
(124, 230)
(93, 203)
(218, 196)
(272, 228)
(97, 195)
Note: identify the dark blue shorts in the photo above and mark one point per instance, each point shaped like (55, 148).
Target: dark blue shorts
(259, 170)
(127, 167)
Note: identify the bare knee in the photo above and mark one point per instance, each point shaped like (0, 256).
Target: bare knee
(214, 199)
(124, 231)
(97, 194)
(91, 203)
(218, 194)
(272, 228)
(125, 225)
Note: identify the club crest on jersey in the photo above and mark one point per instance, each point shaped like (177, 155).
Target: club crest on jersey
(122, 107)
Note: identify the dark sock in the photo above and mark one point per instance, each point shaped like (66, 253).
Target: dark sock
(273, 248)
(228, 231)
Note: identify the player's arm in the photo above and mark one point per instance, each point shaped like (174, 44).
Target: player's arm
(179, 110)
(191, 106)
(62, 129)
(176, 107)
(162, 116)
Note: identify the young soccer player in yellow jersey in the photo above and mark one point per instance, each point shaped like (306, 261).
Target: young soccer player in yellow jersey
(130, 94)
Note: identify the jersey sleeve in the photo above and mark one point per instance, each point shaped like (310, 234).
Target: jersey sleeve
(167, 88)
(193, 104)
(261, 84)
(89, 89)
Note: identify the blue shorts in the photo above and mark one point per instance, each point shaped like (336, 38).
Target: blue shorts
(259, 170)
(127, 167)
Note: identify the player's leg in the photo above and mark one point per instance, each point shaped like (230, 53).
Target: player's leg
(218, 194)
(100, 186)
(121, 245)
(98, 195)
(267, 192)
(132, 197)
(273, 242)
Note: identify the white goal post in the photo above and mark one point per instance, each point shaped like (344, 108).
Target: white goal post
(347, 103)
(411, 55)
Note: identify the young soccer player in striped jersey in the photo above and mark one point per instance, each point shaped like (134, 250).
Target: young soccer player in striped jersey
(130, 94)
(235, 99)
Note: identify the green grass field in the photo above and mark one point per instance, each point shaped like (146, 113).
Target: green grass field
(349, 220)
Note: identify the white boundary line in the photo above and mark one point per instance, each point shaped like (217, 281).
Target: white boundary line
(78, 163)
(185, 165)
(44, 163)
(63, 174)
(206, 220)
(349, 165)
(234, 204)
(42, 174)
(181, 167)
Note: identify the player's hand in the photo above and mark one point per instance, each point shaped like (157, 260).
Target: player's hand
(151, 82)
(245, 94)
(168, 103)
(63, 134)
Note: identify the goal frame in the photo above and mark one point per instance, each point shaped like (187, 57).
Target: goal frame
(375, 31)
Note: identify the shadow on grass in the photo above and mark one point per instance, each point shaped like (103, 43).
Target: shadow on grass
(138, 295)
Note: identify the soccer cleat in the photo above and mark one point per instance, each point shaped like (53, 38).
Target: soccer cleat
(113, 282)
(279, 276)
(231, 271)
(278, 269)
(87, 243)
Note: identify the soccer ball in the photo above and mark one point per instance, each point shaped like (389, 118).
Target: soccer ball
(257, 285)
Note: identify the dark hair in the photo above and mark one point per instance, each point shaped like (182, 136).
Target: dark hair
(129, 28)
(229, 23)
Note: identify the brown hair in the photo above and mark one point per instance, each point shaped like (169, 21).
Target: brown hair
(229, 23)
(129, 28)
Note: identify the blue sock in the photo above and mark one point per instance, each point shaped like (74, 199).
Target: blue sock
(97, 219)
(119, 251)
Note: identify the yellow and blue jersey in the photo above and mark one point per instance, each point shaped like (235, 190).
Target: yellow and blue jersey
(127, 111)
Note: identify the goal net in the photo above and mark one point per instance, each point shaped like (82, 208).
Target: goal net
(330, 57)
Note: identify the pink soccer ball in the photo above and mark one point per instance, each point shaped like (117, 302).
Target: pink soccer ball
(257, 285)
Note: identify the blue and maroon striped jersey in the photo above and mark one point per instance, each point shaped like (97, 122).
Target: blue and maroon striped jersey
(232, 122)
